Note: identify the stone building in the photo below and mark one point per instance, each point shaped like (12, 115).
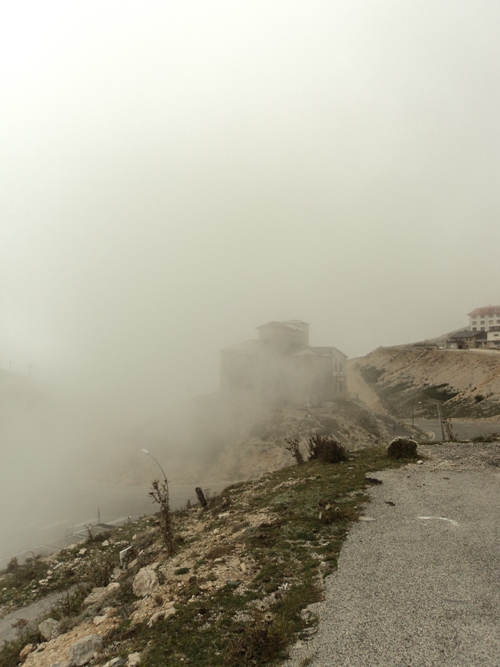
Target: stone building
(466, 340)
(281, 367)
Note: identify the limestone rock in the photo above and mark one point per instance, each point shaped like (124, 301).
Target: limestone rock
(82, 651)
(98, 595)
(156, 617)
(133, 660)
(145, 581)
(25, 652)
(48, 628)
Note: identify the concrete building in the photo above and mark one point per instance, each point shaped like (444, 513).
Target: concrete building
(482, 319)
(281, 367)
(493, 337)
(466, 340)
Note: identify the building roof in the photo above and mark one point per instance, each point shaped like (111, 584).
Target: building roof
(297, 325)
(486, 310)
(327, 350)
(296, 349)
(305, 352)
(466, 333)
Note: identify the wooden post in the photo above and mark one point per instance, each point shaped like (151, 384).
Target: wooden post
(441, 422)
(201, 496)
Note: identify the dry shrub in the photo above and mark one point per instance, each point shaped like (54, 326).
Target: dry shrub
(160, 495)
(326, 448)
(261, 643)
(293, 446)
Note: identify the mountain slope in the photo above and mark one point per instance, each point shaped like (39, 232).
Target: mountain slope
(393, 380)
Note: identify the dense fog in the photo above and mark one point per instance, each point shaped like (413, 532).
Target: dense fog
(176, 174)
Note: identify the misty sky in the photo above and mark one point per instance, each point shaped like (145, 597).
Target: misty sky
(174, 174)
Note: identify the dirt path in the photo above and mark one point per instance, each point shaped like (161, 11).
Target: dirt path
(358, 388)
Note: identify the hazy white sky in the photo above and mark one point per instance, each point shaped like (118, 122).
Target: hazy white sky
(174, 174)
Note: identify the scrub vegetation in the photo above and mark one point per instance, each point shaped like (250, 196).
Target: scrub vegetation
(284, 532)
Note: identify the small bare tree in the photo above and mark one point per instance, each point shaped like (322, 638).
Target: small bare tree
(293, 446)
(448, 428)
(160, 495)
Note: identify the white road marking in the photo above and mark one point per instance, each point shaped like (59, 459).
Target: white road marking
(442, 518)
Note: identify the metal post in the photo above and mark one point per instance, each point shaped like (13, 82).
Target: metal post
(145, 451)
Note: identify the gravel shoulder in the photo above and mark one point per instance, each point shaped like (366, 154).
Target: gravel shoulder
(418, 581)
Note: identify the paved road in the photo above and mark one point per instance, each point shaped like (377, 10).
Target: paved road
(32, 612)
(52, 525)
(464, 430)
(419, 586)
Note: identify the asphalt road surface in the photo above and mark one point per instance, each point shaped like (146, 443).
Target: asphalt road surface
(463, 430)
(55, 522)
(32, 612)
(418, 583)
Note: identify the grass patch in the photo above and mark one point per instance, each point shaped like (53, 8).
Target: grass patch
(312, 506)
(492, 437)
(288, 526)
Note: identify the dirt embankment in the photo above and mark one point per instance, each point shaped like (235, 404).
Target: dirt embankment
(466, 383)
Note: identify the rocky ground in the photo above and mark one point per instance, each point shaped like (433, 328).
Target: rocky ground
(235, 591)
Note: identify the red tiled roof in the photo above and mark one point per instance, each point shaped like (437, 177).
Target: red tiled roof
(487, 310)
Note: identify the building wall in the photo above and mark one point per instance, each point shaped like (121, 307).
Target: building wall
(493, 337)
(282, 368)
(484, 322)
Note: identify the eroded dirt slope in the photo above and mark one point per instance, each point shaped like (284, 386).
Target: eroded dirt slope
(465, 382)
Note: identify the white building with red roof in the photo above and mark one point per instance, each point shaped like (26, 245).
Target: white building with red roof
(482, 319)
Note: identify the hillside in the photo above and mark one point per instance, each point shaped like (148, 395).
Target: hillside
(216, 440)
(393, 379)
(233, 594)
